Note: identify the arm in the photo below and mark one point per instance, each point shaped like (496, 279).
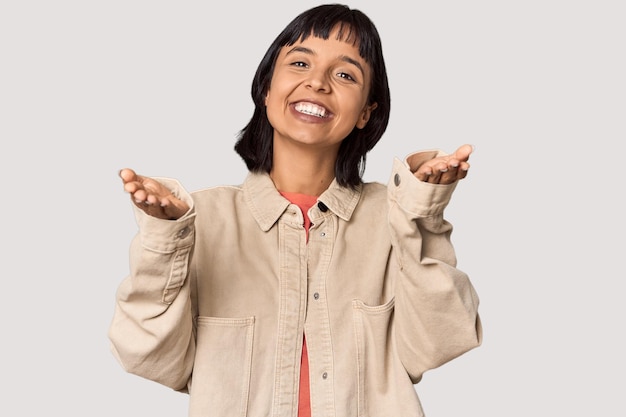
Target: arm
(152, 328)
(436, 309)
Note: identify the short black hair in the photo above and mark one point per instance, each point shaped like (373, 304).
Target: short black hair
(255, 141)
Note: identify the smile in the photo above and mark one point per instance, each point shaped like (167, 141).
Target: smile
(311, 109)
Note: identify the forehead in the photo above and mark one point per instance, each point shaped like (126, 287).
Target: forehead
(338, 43)
(325, 30)
(339, 32)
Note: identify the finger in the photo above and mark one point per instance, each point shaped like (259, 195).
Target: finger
(131, 182)
(139, 195)
(151, 199)
(154, 211)
(127, 175)
(435, 177)
(174, 208)
(449, 176)
(463, 169)
(423, 173)
(463, 152)
(431, 172)
(147, 197)
(143, 190)
(131, 187)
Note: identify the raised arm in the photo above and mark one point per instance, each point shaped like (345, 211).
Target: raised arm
(436, 308)
(152, 328)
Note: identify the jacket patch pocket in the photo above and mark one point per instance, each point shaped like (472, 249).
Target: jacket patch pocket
(221, 376)
(372, 326)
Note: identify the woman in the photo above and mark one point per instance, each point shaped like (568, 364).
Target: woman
(304, 291)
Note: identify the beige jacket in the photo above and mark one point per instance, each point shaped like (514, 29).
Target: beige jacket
(217, 302)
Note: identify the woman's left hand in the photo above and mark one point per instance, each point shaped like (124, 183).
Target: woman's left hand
(446, 169)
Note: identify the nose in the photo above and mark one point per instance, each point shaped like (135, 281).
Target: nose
(318, 81)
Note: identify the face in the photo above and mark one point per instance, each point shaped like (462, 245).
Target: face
(318, 93)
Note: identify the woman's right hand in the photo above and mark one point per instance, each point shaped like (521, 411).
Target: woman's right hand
(152, 197)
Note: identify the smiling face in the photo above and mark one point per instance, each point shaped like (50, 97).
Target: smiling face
(318, 93)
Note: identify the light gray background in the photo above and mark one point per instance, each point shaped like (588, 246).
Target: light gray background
(89, 87)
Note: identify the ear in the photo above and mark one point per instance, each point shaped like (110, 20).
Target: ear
(364, 117)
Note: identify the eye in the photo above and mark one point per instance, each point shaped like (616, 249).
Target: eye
(299, 64)
(346, 76)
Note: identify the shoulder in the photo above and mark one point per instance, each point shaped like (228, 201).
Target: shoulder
(219, 196)
(374, 191)
(373, 196)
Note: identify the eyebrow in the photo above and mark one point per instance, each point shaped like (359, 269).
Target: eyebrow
(343, 58)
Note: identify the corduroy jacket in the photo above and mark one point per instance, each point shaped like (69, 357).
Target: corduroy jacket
(217, 302)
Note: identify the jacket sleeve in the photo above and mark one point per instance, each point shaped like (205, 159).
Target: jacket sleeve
(152, 332)
(436, 307)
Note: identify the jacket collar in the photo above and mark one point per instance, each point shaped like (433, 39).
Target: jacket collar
(267, 205)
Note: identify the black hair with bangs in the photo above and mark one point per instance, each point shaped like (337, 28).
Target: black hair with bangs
(255, 141)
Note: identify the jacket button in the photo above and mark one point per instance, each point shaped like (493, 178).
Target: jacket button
(322, 207)
(183, 232)
(325, 375)
(316, 296)
(396, 179)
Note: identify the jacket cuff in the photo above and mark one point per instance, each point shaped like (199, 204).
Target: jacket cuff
(167, 236)
(419, 198)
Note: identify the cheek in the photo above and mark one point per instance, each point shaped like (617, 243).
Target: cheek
(275, 100)
(272, 110)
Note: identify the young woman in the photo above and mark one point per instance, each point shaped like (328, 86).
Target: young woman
(304, 291)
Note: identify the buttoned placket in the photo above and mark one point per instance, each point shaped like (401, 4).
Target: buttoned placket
(292, 309)
(317, 323)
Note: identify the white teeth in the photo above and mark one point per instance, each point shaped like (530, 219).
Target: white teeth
(312, 109)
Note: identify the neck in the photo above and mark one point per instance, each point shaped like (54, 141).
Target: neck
(302, 171)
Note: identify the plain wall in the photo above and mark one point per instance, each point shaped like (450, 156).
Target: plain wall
(87, 88)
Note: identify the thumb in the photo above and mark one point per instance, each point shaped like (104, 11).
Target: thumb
(463, 152)
(127, 174)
